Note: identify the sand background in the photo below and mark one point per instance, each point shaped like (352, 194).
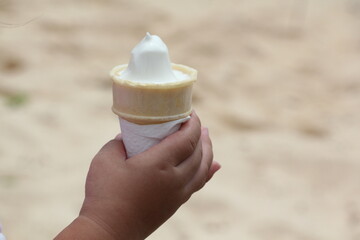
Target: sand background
(279, 88)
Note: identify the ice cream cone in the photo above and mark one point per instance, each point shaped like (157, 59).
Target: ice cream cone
(152, 97)
(152, 103)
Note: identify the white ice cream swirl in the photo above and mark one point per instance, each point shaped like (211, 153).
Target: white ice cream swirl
(150, 62)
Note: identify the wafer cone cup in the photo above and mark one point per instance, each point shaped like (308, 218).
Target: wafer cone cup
(152, 103)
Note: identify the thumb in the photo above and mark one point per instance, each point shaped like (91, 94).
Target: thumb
(113, 150)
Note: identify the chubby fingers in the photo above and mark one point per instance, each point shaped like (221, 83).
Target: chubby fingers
(206, 168)
(187, 169)
(176, 148)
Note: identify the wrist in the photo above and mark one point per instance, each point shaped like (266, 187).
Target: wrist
(118, 222)
(85, 228)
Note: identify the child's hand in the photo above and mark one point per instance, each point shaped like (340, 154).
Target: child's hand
(129, 199)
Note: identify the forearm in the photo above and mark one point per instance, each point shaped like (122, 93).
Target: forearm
(83, 228)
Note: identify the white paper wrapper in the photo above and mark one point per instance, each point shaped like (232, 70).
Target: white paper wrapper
(138, 138)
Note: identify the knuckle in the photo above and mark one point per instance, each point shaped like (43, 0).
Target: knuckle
(200, 184)
(188, 192)
(190, 146)
(164, 166)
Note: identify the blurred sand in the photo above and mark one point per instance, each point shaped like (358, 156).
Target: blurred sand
(279, 88)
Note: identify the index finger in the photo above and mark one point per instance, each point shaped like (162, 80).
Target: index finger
(177, 147)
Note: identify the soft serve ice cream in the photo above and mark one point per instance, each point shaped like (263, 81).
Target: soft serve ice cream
(150, 89)
(151, 95)
(150, 63)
